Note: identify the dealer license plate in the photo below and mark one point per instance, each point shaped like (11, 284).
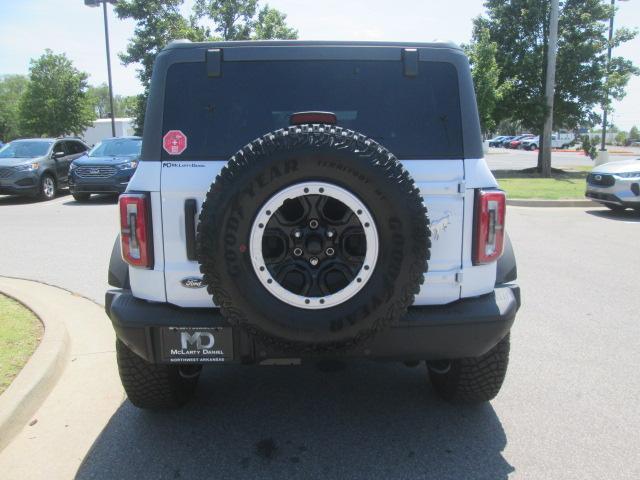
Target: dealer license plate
(196, 345)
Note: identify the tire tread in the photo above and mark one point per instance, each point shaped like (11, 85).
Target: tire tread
(474, 380)
(312, 135)
(149, 385)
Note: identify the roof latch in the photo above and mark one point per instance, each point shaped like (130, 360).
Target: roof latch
(214, 62)
(410, 61)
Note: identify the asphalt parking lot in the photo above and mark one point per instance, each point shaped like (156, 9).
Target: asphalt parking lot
(507, 159)
(568, 408)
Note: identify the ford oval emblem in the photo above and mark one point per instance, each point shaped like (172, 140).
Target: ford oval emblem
(192, 282)
(598, 177)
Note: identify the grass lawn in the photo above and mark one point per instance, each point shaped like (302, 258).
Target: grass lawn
(20, 333)
(527, 184)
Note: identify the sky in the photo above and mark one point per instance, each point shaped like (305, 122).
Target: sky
(30, 26)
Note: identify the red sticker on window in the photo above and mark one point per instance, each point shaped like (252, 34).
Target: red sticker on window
(174, 142)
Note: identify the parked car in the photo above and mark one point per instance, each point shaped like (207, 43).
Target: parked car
(312, 240)
(531, 143)
(38, 167)
(503, 143)
(515, 142)
(107, 168)
(497, 141)
(616, 185)
(558, 140)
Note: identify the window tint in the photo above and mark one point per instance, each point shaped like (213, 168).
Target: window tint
(118, 148)
(24, 149)
(414, 117)
(59, 147)
(77, 147)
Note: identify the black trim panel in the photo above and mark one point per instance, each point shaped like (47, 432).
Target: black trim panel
(507, 271)
(118, 268)
(190, 211)
(466, 328)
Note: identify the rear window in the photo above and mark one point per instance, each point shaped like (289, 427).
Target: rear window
(414, 117)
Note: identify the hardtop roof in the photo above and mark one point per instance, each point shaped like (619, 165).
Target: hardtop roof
(187, 44)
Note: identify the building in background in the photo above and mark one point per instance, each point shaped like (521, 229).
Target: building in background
(101, 129)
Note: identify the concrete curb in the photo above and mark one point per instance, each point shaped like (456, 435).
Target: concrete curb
(53, 440)
(40, 374)
(549, 203)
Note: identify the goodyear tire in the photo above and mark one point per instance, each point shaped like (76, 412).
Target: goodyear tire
(155, 386)
(471, 380)
(313, 237)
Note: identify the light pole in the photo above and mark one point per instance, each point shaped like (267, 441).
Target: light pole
(605, 106)
(96, 3)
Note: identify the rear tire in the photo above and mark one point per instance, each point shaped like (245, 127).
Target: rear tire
(81, 197)
(471, 380)
(154, 386)
(615, 208)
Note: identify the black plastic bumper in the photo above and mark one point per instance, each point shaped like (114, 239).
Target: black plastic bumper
(466, 328)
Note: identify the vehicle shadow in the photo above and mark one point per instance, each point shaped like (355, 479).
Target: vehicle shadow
(368, 420)
(8, 200)
(624, 215)
(101, 199)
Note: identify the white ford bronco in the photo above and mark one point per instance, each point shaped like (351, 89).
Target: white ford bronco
(299, 201)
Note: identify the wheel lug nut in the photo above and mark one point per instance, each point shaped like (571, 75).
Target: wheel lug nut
(330, 234)
(313, 261)
(297, 251)
(330, 251)
(297, 234)
(313, 224)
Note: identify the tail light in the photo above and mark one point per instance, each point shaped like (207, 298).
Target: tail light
(489, 226)
(135, 229)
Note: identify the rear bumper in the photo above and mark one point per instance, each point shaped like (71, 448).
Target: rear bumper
(466, 328)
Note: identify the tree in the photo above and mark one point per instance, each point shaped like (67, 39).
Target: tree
(634, 134)
(158, 22)
(12, 87)
(55, 101)
(272, 25)
(520, 28)
(241, 20)
(233, 19)
(486, 77)
(588, 147)
(621, 138)
(99, 96)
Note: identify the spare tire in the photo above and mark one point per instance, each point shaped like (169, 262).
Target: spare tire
(313, 237)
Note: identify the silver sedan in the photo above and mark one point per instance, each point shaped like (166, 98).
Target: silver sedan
(615, 185)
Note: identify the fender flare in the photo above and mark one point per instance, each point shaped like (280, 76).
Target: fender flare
(118, 268)
(506, 271)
